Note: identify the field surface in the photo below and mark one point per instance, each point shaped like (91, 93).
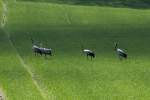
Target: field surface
(68, 75)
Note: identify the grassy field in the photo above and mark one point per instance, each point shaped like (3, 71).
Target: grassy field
(68, 75)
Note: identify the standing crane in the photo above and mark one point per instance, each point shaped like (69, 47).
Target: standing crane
(121, 54)
(88, 53)
(40, 50)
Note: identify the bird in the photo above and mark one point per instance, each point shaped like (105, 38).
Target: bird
(40, 50)
(36, 49)
(89, 53)
(121, 54)
(46, 51)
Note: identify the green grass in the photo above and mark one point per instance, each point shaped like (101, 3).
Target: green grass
(15, 81)
(68, 75)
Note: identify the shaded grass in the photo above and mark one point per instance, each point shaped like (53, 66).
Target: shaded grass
(114, 3)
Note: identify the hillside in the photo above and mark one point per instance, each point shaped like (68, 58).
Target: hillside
(116, 3)
(69, 75)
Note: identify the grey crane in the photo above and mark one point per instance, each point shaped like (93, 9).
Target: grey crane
(121, 54)
(40, 50)
(88, 53)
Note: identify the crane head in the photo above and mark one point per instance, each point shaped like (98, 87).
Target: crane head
(116, 45)
(32, 41)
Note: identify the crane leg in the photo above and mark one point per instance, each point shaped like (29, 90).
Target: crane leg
(87, 57)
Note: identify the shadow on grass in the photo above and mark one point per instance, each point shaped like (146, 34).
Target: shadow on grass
(137, 4)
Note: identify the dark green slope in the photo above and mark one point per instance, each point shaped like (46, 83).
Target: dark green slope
(119, 3)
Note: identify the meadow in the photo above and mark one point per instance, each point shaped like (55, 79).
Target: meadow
(68, 75)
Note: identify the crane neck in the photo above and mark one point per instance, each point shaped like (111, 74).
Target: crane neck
(116, 47)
